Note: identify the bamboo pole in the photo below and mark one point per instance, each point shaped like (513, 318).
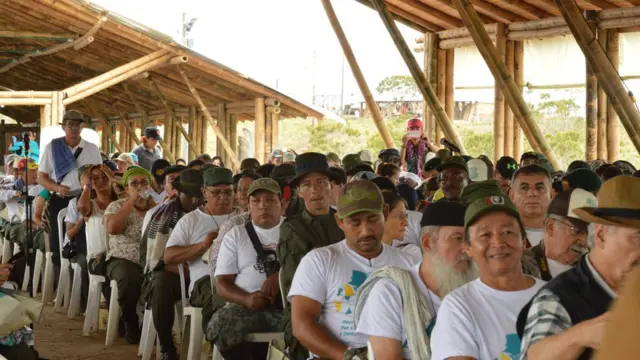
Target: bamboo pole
(268, 131)
(430, 70)
(272, 102)
(122, 139)
(459, 42)
(197, 132)
(604, 70)
(25, 101)
(441, 89)
(36, 35)
(45, 115)
(138, 105)
(233, 135)
(518, 76)
(275, 128)
(508, 114)
(220, 121)
(241, 104)
(498, 105)
(25, 94)
(418, 76)
(177, 139)
(512, 94)
(106, 128)
(203, 138)
(602, 106)
(227, 131)
(207, 114)
(449, 102)
(538, 34)
(613, 127)
(357, 73)
(259, 134)
(464, 32)
(591, 108)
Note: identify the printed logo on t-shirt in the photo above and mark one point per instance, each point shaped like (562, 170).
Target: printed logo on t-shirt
(271, 258)
(511, 348)
(345, 300)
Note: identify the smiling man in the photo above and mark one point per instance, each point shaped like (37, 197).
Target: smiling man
(478, 320)
(324, 289)
(453, 177)
(531, 193)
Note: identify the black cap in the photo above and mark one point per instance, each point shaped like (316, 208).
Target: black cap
(157, 169)
(282, 171)
(432, 164)
(359, 168)
(388, 152)
(443, 213)
(585, 179)
(340, 175)
(506, 166)
(153, 133)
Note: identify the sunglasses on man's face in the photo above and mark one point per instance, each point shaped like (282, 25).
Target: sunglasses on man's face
(73, 124)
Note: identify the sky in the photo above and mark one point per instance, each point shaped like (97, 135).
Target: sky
(286, 44)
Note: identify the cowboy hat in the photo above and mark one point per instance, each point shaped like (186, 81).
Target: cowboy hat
(618, 204)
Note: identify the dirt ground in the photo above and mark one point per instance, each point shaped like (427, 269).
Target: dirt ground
(58, 337)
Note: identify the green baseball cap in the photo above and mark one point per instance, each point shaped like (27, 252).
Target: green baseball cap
(350, 161)
(484, 197)
(454, 162)
(267, 184)
(217, 176)
(359, 196)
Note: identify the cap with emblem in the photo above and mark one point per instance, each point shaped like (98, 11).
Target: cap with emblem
(566, 202)
(443, 213)
(217, 176)
(29, 163)
(484, 197)
(189, 182)
(152, 133)
(266, 184)
(359, 196)
(506, 166)
(478, 170)
(454, 162)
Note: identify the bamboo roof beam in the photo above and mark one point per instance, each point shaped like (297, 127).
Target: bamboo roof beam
(446, 7)
(428, 13)
(419, 77)
(25, 94)
(497, 13)
(607, 75)
(77, 44)
(399, 18)
(521, 7)
(511, 92)
(207, 114)
(602, 4)
(14, 34)
(136, 102)
(169, 110)
(546, 5)
(124, 118)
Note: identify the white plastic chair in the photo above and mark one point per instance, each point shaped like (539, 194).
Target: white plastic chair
(114, 315)
(37, 271)
(64, 289)
(192, 334)
(48, 276)
(76, 291)
(6, 251)
(92, 313)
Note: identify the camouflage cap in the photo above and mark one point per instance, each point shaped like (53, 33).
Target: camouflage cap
(267, 184)
(217, 176)
(359, 196)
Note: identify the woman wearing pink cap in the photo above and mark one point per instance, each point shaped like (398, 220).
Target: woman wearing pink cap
(415, 147)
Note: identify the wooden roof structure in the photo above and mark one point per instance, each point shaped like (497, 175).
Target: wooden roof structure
(51, 45)
(438, 15)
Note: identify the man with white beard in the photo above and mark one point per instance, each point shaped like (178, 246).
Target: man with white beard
(395, 306)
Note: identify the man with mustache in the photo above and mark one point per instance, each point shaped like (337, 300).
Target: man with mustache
(453, 177)
(324, 289)
(313, 228)
(531, 193)
(380, 307)
(565, 235)
(568, 317)
(478, 320)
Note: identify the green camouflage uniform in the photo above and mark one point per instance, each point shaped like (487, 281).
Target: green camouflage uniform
(298, 236)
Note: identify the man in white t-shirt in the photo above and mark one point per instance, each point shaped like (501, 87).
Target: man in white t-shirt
(565, 235)
(247, 276)
(380, 309)
(58, 170)
(478, 320)
(194, 232)
(531, 193)
(325, 285)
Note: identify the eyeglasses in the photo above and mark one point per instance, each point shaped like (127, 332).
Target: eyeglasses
(220, 193)
(574, 230)
(138, 183)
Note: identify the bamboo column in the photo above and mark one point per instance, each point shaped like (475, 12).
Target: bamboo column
(196, 131)
(203, 137)
(591, 108)
(511, 92)
(441, 88)
(422, 82)
(191, 122)
(122, 139)
(605, 72)
(275, 126)
(177, 139)
(45, 116)
(259, 134)
(431, 72)
(498, 105)
(508, 114)
(207, 114)
(602, 105)
(518, 75)
(613, 127)
(104, 138)
(106, 129)
(357, 73)
(227, 131)
(449, 102)
(268, 144)
(220, 121)
(233, 135)
(169, 130)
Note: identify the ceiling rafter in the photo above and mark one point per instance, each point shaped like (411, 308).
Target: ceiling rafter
(428, 13)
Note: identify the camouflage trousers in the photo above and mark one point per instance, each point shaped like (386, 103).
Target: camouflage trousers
(229, 325)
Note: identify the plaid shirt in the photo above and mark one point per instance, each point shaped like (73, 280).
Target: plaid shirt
(547, 317)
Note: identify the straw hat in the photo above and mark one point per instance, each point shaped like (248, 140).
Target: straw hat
(618, 204)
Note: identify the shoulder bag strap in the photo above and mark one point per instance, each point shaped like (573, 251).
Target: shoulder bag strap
(75, 156)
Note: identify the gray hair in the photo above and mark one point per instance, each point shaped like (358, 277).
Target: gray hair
(432, 230)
